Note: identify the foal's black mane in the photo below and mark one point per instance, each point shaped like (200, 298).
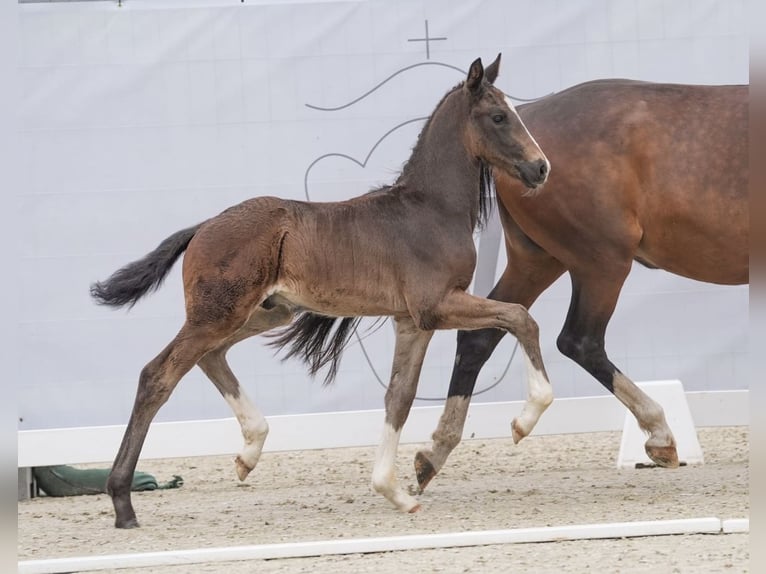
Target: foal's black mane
(486, 194)
(315, 339)
(427, 126)
(486, 181)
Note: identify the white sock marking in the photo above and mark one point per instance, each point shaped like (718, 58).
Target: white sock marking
(384, 471)
(539, 397)
(254, 427)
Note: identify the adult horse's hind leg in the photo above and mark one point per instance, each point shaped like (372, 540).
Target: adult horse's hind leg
(582, 339)
(251, 420)
(156, 382)
(411, 346)
(528, 273)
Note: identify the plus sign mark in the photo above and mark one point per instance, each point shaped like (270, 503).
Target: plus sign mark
(428, 39)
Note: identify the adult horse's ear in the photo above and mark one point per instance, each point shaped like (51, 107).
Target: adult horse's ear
(491, 71)
(475, 76)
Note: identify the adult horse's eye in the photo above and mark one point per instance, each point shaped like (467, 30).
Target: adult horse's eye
(498, 118)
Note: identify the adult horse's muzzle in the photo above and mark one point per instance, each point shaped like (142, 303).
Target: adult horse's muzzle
(533, 173)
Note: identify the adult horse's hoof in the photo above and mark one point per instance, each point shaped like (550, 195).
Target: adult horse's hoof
(665, 456)
(414, 509)
(424, 471)
(242, 469)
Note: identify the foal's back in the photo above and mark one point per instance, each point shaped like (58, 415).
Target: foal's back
(363, 256)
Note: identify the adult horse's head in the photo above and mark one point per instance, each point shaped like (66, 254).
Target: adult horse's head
(495, 132)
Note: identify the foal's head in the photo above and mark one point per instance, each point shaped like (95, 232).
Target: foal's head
(494, 131)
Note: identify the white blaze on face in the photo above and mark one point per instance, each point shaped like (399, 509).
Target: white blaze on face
(513, 110)
(384, 472)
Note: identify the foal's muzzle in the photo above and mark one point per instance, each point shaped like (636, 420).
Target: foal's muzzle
(533, 173)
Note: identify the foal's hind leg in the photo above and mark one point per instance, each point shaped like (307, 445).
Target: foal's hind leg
(411, 346)
(582, 339)
(251, 420)
(156, 382)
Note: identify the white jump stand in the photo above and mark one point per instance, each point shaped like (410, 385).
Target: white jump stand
(670, 394)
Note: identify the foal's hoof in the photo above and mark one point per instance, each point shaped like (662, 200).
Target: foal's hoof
(126, 523)
(517, 432)
(414, 509)
(665, 456)
(424, 471)
(242, 469)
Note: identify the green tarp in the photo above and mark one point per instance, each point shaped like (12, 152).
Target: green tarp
(65, 480)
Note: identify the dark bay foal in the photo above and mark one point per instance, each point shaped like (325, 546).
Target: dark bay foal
(404, 251)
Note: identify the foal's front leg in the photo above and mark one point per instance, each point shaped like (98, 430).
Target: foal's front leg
(411, 346)
(461, 310)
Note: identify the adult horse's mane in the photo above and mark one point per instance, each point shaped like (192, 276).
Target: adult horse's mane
(315, 339)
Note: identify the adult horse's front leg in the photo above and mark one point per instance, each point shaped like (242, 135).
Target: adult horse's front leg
(582, 339)
(411, 346)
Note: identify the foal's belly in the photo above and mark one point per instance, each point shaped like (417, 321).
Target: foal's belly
(338, 301)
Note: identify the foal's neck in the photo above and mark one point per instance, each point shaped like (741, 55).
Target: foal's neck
(441, 167)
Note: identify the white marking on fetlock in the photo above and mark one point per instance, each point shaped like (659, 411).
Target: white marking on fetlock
(539, 398)
(254, 428)
(384, 472)
(648, 412)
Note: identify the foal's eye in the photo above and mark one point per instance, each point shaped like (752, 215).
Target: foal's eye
(498, 118)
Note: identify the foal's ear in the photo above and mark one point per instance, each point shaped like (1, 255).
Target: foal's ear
(475, 76)
(492, 70)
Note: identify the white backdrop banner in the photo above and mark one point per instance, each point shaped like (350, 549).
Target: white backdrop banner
(141, 119)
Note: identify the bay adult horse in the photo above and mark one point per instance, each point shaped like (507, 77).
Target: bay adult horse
(404, 251)
(654, 173)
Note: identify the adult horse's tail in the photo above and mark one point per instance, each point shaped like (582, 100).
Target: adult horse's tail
(128, 284)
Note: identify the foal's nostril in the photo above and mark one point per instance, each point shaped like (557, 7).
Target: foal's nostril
(543, 168)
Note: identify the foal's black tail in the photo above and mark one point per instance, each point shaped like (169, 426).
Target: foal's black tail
(128, 284)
